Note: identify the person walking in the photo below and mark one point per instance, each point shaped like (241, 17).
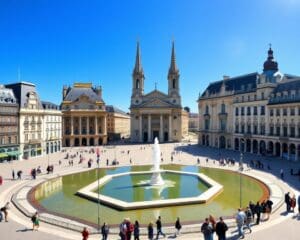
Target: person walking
(298, 202)
(257, 210)
(293, 203)
(177, 227)
(207, 230)
(136, 231)
(123, 230)
(150, 231)
(221, 229)
(13, 174)
(159, 228)
(287, 200)
(85, 234)
(35, 221)
(4, 209)
(248, 219)
(269, 205)
(240, 219)
(104, 231)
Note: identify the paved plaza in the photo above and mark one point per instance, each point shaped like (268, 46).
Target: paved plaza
(280, 226)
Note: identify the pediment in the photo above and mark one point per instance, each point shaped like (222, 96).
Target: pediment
(155, 103)
(156, 94)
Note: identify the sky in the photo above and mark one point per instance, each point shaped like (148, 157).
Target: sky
(53, 43)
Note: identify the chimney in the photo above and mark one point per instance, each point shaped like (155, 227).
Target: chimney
(225, 77)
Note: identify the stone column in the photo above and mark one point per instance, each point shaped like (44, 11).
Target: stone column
(80, 126)
(274, 149)
(149, 127)
(87, 126)
(140, 128)
(96, 125)
(161, 130)
(72, 126)
(170, 127)
(104, 127)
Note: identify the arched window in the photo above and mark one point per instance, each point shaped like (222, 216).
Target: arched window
(137, 84)
(174, 83)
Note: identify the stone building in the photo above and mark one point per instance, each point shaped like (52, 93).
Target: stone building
(257, 113)
(52, 127)
(9, 122)
(193, 122)
(118, 123)
(31, 114)
(84, 116)
(156, 114)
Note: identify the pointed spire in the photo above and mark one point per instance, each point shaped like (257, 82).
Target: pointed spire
(138, 63)
(173, 67)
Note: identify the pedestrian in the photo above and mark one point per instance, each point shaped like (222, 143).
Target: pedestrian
(129, 229)
(150, 231)
(212, 221)
(104, 231)
(281, 174)
(123, 230)
(35, 221)
(19, 174)
(1, 216)
(240, 220)
(221, 229)
(1, 180)
(287, 200)
(252, 208)
(293, 203)
(85, 234)
(207, 230)
(177, 227)
(4, 209)
(13, 174)
(298, 202)
(248, 219)
(136, 230)
(159, 228)
(257, 210)
(269, 205)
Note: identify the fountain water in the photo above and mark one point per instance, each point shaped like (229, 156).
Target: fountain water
(156, 178)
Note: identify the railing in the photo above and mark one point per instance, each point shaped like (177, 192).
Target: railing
(286, 99)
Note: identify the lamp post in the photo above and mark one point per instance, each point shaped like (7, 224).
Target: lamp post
(98, 180)
(241, 169)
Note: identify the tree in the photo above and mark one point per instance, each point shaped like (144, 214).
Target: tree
(187, 109)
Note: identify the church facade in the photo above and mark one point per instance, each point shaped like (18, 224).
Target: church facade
(157, 114)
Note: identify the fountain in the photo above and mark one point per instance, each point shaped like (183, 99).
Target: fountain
(156, 179)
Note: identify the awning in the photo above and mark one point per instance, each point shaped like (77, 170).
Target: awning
(3, 155)
(13, 153)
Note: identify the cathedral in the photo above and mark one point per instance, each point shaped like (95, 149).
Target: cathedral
(157, 114)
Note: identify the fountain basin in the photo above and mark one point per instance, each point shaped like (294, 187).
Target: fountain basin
(88, 192)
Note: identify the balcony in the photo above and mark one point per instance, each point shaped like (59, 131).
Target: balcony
(223, 114)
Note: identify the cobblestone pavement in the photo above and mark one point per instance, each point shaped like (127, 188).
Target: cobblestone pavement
(279, 227)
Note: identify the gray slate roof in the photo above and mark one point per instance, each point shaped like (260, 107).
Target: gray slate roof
(21, 91)
(112, 109)
(75, 92)
(50, 105)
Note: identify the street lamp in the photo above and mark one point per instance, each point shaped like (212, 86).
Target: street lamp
(98, 180)
(241, 170)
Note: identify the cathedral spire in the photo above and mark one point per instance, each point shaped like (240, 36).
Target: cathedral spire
(173, 67)
(138, 63)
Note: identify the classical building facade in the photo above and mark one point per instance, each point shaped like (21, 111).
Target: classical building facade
(257, 113)
(157, 114)
(193, 122)
(52, 133)
(9, 125)
(31, 114)
(84, 116)
(118, 123)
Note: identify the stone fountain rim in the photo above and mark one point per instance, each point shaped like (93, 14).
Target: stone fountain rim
(87, 192)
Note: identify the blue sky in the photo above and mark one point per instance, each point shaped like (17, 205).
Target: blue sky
(59, 42)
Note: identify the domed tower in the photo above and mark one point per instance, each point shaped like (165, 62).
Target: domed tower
(270, 67)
